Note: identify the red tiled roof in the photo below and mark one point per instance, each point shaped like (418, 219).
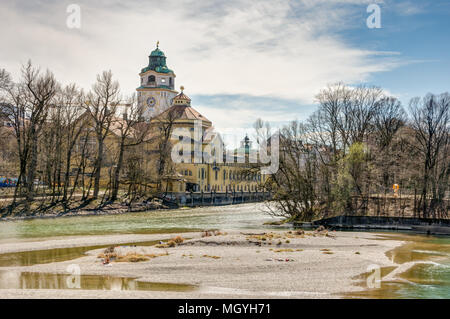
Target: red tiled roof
(182, 96)
(183, 112)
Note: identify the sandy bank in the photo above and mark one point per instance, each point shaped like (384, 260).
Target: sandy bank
(81, 241)
(234, 265)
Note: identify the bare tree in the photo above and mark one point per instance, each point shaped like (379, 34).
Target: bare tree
(71, 102)
(101, 105)
(5, 79)
(163, 126)
(294, 184)
(387, 122)
(430, 121)
(133, 130)
(30, 102)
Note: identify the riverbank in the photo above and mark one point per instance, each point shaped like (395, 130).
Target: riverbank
(89, 209)
(95, 209)
(235, 264)
(427, 226)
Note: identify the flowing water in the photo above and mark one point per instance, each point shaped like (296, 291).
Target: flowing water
(245, 216)
(427, 258)
(426, 264)
(160, 221)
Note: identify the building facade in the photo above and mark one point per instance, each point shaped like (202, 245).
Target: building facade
(202, 165)
(157, 83)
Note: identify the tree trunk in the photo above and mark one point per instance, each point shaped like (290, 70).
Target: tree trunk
(98, 166)
(115, 184)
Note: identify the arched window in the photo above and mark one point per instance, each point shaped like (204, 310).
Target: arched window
(151, 78)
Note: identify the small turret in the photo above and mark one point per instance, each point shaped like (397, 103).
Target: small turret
(181, 99)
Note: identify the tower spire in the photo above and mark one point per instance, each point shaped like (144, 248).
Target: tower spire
(157, 44)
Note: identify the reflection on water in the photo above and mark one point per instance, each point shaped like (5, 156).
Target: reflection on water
(419, 247)
(33, 257)
(32, 280)
(243, 216)
(428, 275)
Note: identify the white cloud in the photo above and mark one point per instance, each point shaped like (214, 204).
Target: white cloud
(272, 48)
(408, 8)
(275, 47)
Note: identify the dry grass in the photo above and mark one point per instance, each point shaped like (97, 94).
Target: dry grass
(107, 255)
(172, 242)
(287, 250)
(265, 236)
(208, 233)
(111, 255)
(322, 231)
(213, 257)
(134, 257)
(178, 239)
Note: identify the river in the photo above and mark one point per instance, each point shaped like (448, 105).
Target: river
(424, 280)
(245, 216)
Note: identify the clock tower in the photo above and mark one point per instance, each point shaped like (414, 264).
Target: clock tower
(157, 85)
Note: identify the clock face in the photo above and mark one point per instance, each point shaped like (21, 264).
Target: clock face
(151, 101)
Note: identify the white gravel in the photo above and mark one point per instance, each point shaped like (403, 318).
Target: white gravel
(244, 270)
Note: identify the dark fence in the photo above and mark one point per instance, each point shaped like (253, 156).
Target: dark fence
(213, 198)
(418, 225)
(401, 206)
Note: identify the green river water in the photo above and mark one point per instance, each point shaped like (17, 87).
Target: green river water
(424, 280)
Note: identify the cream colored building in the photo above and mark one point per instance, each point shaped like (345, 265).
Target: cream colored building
(201, 165)
(157, 83)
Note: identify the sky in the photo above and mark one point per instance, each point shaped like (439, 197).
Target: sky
(238, 60)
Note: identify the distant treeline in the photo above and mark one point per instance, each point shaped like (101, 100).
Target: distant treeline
(358, 144)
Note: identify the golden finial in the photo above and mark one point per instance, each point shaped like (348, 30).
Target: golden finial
(181, 88)
(157, 44)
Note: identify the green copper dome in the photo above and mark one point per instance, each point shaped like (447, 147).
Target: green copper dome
(157, 52)
(157, 61)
